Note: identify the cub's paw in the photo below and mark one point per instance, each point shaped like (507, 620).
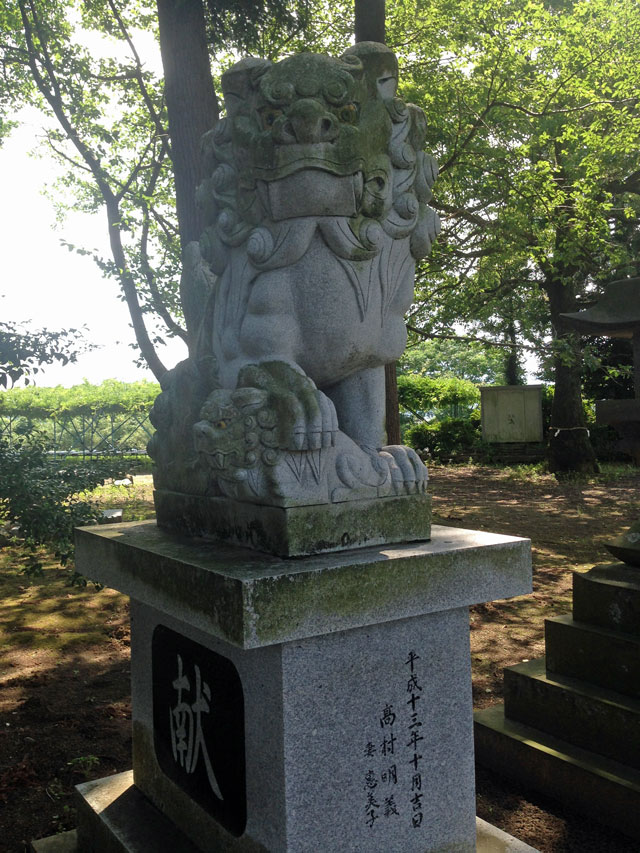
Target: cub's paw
(306, 417)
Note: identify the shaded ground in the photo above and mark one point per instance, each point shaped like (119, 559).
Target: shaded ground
(64, 655)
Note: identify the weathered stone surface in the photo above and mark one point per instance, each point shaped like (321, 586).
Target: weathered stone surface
(63, 842)
(114, 817)
(251, 599)
(328, 721)
(608, 595)
(293, 531)
(579, 712)
(607, 658)
(602, 789)
(306, 685)
(489, 839)
(316, 209)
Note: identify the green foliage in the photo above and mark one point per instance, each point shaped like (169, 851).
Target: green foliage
(245, 25)
(608, 369)
(42, 498)
(533, 113)
(479, 363)
(427, 397)
(111, 396)
(110, 418)
(448, 438)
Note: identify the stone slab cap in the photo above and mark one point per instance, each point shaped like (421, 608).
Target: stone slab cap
(115, 806)
(626, 547)
(251, 599)
(616, 313)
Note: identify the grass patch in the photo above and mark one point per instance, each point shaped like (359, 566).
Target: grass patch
(135, 500)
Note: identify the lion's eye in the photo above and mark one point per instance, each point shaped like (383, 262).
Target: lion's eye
(269, 115)
(348, 113)
(220, 424)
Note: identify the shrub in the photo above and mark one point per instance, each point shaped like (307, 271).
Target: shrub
(43, 498)
(447, 438)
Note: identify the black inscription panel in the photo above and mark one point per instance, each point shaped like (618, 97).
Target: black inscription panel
(198, 725)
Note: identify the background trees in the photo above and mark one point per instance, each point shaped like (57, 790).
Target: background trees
(533, 115)
(533, 110)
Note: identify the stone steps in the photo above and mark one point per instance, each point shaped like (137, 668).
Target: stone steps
(570, 724)
(603, 789)
(607, 658)
(576, 711)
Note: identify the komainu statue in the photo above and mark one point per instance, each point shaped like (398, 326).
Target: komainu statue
(317, 208)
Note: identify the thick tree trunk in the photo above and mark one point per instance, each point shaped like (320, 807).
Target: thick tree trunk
(369, 20)
(570, 450)
(193, 109)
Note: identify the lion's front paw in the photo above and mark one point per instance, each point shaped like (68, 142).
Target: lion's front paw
(408, 473)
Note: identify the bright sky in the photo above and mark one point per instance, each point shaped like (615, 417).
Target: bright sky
(46, 284)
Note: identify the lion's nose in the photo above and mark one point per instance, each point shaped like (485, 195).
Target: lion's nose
(309, 122)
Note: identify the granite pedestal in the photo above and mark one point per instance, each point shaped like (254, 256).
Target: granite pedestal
(322, 703)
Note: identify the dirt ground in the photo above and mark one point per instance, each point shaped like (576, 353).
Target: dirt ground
(64, 654)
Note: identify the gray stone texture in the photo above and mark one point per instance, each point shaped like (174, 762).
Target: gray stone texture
(598, 787)
(157, 833)
(311, 709)
(251, 599)
(574, 710)
(316, 208)
(322, 646)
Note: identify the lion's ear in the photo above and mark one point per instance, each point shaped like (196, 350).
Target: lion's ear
(249, 398)
(240, 79)
(380, 67)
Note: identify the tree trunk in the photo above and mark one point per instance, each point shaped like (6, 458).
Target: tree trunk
(369, 26)
(512, 362)
(369, 20)
(570, 450)
(193, 109)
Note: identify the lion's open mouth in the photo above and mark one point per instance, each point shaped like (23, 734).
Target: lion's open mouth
(312, 191)
(220, 459)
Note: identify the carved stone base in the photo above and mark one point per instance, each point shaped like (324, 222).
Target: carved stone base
(298, 530)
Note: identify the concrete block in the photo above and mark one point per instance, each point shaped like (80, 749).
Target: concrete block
(576, 711)
(98, 803)
(114, 817)
(490, 839)
(606, 658)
